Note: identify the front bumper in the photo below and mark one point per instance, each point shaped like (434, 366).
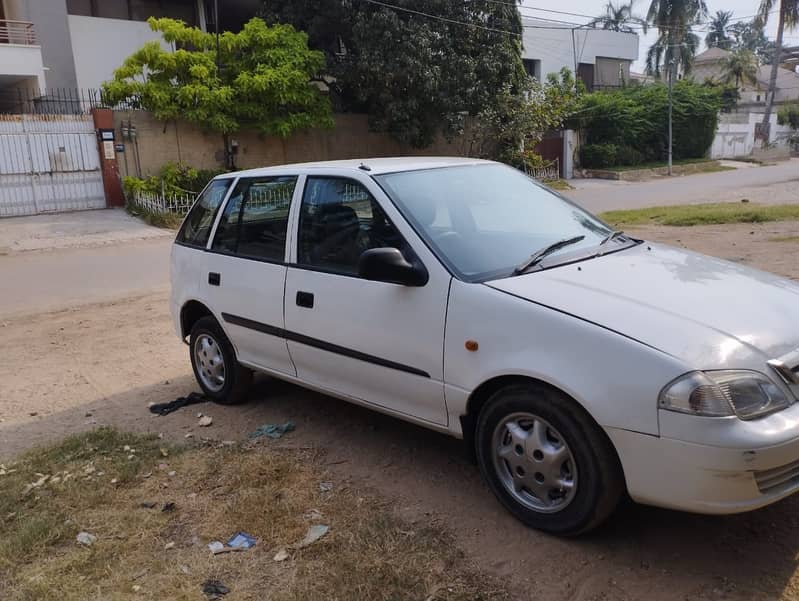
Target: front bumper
(743, 466)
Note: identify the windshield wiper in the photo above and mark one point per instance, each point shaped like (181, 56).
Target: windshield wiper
(606, 240)
(538, 256)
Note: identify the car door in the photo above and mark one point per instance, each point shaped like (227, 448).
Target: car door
(247, 269)
(371, 341)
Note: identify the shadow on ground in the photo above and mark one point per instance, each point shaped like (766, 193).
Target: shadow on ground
(643, 553)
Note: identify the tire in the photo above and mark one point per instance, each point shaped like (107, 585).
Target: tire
(533, 439)
(209, 349)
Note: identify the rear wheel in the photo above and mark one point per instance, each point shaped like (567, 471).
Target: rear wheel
(213, 360)
(546, 460)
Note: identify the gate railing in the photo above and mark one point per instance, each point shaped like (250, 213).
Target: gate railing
(549, 172)
(160, 203)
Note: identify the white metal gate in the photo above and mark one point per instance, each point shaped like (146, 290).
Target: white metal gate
(48, 163)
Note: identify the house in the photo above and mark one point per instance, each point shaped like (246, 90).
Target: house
(709, 65)
(66, 46)
(601, 58)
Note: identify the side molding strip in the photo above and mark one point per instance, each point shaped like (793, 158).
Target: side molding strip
(320, 344)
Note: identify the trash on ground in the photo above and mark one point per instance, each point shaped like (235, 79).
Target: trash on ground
(39, 483)
(312, 515)
(86, 539)
(214, 589)
(325, 486)
(314, 533)
(241, 540)
(272, 430)
(136, 588)
(205, 421)
(164, 452)
(185, 569)
(168, 506)
(171, 474)
(169, 545)
(217, 547)
(281, 555)
(149, 504)
(182, 401)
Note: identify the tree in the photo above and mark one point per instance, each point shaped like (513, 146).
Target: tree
(617, 17)
(749, 35)
(788, 17)
(262, 79)
(414, 75)
(676, 45)
(717, 36)
(739, 67)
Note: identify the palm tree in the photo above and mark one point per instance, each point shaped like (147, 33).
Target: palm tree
(788, 17)
(676, 45)
(717, 35)
(740, 66)
(618, 16)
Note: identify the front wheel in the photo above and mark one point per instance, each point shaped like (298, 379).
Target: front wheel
(546, 460)
(214, 363)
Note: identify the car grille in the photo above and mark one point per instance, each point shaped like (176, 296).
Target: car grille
(778, 477)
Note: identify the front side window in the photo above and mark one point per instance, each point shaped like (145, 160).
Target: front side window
(339, 220)
(255, 220)
(483, 220)
(197, 227)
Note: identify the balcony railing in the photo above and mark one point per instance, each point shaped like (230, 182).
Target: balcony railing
(17, 32)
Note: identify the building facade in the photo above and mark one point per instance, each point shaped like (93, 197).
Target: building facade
(601, 58)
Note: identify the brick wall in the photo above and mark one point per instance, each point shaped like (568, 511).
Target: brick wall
(157, 143)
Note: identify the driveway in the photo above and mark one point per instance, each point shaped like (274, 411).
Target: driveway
(775, 184)
(76, 367)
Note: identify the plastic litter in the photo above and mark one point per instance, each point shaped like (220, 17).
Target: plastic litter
(149, 504)
(205, 421)
(183, 401)
(241, 540)
(214, 589)
(85, 539)
(272, 430)
(216, 547)
(281, 555)
(313, 515)
(314, 533)
(325, 486)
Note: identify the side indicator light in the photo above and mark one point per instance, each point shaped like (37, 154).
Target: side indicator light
(471, 345)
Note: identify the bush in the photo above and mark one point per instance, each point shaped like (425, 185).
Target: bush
(789, 115)
(173, 179)
(599, 156)
(637, 118)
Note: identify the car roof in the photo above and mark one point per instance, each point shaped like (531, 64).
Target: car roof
(376, 166)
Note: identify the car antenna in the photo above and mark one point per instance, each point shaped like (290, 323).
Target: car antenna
(364, 167)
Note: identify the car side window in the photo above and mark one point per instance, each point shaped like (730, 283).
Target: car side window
(197, 227)
(339, 220)
(255, 220)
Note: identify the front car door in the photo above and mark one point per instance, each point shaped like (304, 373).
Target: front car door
(371, 341)
(247, 269)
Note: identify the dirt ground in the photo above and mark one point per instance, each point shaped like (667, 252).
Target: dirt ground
(72, 369)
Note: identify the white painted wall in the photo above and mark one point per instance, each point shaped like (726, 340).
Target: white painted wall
(99, 46)
(553, 46)
(22, 62)
(735, 136)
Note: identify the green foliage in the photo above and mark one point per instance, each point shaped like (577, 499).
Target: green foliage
(263, 81)
(173, 179)
(704, 214)
(739, 67)
(636, 118)
(598, 156)
(618, 17)
(789, 115)
(676, 43)
(415, 76)
(749, 35)
(718, 35)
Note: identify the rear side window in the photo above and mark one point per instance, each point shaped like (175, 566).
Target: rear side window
(197, 227)
(255, 220)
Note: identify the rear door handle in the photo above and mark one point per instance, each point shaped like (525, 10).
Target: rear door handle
(214, 278)
(305, 299)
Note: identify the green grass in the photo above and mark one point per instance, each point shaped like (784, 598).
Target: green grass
(657, 164)
(168, 220)
(703, 214)
(784, 239)
(557, 184)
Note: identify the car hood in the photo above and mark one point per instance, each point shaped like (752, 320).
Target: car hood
(707, 312)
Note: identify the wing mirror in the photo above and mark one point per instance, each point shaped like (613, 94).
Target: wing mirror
(389, 265)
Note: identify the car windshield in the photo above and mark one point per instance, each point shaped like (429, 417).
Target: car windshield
(484, 220)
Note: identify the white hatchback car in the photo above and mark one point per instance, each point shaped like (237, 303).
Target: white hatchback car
(576, 362)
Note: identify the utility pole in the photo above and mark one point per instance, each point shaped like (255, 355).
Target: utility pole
(671, 84)
(216, 26)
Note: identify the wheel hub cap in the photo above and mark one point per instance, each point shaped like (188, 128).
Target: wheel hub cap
(534, 463)
(210, 362)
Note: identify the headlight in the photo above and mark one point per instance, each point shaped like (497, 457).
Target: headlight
(747, 394)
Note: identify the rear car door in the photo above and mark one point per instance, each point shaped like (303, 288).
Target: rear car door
(247, 269)
(372, 341)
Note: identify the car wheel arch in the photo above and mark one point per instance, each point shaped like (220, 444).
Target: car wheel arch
(191, 312)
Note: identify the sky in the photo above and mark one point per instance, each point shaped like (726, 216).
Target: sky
(740, 8)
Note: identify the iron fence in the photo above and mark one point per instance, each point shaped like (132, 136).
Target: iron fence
(160, 203)
(57, 101)
(549, 172)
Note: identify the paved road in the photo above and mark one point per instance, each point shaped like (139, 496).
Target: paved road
(38, 281)
(773, 184)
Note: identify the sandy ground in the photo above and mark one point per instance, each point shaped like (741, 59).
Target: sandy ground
(75, 368)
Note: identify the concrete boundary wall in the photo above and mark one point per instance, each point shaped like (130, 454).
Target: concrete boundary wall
(157, 143)
(735, 136)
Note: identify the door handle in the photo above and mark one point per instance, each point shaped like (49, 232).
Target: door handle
(305, 299)
(214, 278)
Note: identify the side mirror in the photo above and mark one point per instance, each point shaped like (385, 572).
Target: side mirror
(388, 265)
